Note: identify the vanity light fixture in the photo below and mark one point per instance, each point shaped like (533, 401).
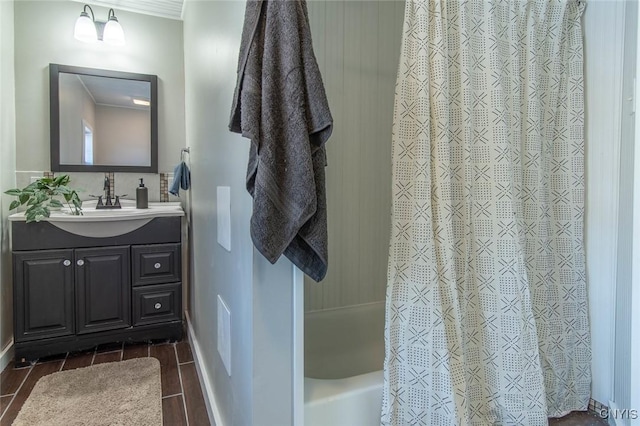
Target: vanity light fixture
(89, 30)
(85, 29)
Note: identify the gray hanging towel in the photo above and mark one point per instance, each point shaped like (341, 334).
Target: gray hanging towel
(281, 105)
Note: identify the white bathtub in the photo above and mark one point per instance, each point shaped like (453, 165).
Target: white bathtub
(344, 351)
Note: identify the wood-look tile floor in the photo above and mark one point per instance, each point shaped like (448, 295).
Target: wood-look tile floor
(182, 401)
(579, 418)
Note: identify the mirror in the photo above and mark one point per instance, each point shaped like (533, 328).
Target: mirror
(103, 121)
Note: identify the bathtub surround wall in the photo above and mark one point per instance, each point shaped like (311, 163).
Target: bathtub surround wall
(344, 342)
(259, 295)
(343, 379)
(7, 171)
(45, 35)
(357, 45)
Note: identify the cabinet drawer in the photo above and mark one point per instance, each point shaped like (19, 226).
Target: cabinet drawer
(157, 303)
(156, 264)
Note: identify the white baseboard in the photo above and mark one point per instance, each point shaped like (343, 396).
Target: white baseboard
(201, 368)
(6, 356)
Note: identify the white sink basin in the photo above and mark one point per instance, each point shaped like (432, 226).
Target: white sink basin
(101, 223)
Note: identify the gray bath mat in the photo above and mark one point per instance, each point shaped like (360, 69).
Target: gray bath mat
(117, 393)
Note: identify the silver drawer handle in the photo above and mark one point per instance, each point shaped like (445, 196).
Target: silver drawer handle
(157, 266)
(157, 305)
(67, 262)
(80, 262)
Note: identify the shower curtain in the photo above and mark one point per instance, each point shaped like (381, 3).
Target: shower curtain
(486, 319)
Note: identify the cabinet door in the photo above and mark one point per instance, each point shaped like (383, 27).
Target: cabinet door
(43, 294)
(103, 289)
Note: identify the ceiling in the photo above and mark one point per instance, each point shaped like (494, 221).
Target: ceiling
(164, 8)
(115, 91)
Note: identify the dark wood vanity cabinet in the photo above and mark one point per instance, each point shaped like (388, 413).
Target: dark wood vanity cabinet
(43, 283)
(77, 292)
(103, 289)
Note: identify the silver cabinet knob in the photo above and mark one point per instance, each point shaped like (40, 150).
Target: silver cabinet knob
(66, 262)
(157, 305)
(80, 262)
(157, 266)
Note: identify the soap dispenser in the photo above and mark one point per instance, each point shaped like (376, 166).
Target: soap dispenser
(142, 196)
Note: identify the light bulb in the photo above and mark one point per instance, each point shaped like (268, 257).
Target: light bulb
(113, 33)
(85, 29)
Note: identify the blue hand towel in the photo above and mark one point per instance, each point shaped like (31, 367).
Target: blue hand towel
(181, 179)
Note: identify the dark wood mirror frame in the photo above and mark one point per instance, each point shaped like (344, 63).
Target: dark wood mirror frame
(54, 73)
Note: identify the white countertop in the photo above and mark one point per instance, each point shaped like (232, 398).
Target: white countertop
(102, 223)
(127, 212)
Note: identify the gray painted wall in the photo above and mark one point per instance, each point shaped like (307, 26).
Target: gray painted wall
(258, 294)
(358, 54)
(357, 44)
(7, 165)
(44, 34)
(211, 35)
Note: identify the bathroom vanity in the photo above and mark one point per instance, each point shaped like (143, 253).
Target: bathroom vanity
(105, 276)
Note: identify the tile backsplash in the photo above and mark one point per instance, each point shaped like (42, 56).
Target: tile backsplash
(127, 183)
(164, 187)
(89, 184)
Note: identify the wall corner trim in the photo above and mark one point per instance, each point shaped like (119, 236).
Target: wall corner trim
(207, 388)
(298, 347)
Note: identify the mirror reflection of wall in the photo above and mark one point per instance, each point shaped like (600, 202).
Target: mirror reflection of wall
(87, 148)
(104, 121)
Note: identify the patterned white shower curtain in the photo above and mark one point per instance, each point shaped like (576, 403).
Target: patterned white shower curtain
(486, 320)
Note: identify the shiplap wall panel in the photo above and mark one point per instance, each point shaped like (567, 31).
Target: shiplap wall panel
(171, 9)
(603, 52)
(350, 148)
(624, 382)
(357, 44)
(331, 66)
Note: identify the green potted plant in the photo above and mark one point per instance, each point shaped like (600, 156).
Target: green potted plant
(40, 197)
